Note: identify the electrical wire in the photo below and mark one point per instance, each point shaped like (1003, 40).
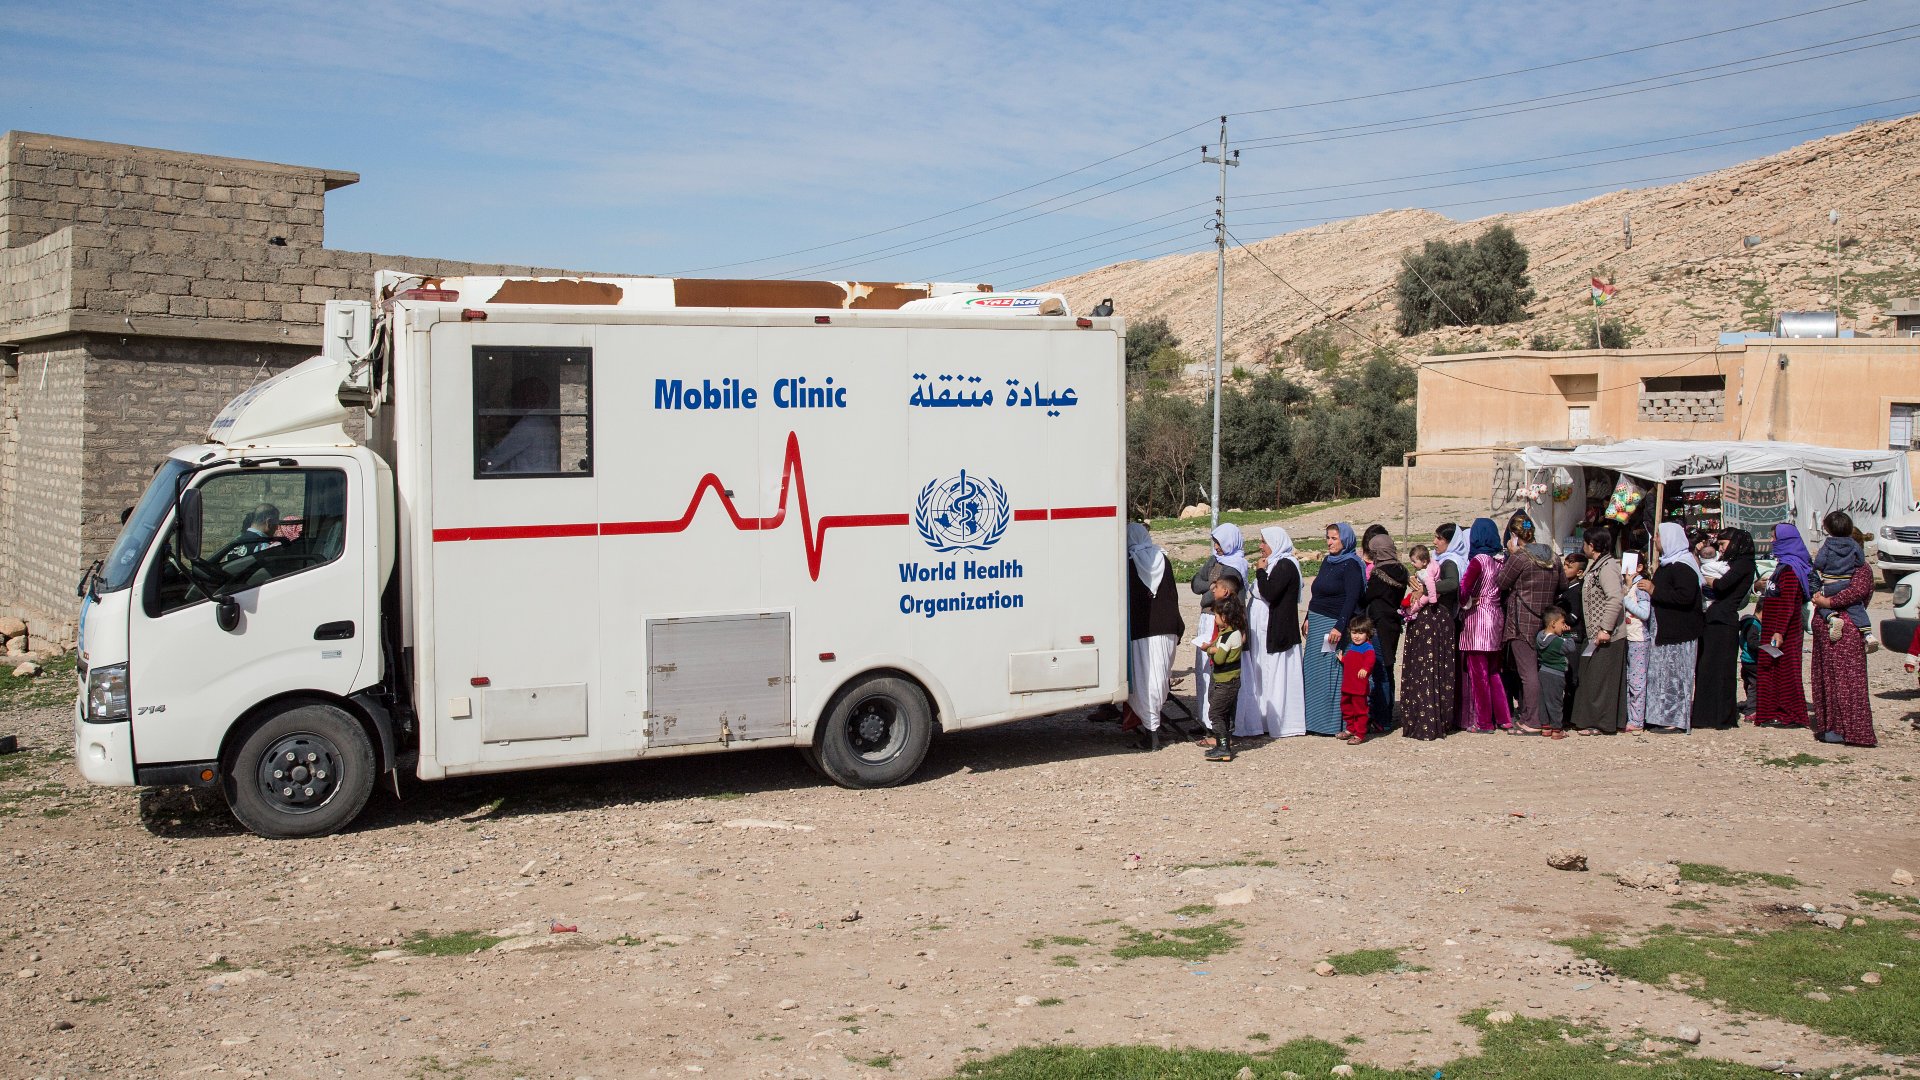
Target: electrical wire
(1436, 369)
(1121, 256)
(954, 275)
(956, 210)
(1546, 67)
(1439, 119)
(1191, 225)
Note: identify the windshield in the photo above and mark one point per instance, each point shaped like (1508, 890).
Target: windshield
(118, 570)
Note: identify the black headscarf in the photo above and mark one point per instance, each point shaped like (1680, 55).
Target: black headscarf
(1739, 544)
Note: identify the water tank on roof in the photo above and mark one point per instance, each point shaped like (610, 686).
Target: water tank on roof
(1799, 324)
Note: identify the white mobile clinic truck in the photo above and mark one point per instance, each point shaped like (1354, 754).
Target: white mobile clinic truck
(601, 520)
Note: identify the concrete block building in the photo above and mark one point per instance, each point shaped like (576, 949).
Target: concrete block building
(140, 289)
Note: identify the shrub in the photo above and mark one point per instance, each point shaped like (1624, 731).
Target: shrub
(1482, 282)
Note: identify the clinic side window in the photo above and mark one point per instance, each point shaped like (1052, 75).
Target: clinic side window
(532, 412)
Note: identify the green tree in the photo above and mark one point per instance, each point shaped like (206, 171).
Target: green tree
(1256, 441)
(1146, 338)
(1167, 437)
(1481, 282)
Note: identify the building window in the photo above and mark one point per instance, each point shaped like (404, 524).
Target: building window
(1902, 432)
(1684, 399)
(532, 412)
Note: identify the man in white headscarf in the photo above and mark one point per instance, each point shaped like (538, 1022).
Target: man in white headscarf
(1154, 627)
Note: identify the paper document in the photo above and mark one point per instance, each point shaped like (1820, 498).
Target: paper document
(1591, 646)
(1771, 651)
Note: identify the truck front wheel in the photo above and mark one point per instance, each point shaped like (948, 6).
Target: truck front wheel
(302, 771)
(875, 733)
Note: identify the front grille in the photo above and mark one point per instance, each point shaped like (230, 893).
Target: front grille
(1907, 534)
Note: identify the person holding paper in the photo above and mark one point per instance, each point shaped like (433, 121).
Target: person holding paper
(1227, 544)
(1783, 694)
(1273, 696)
(1716, 692)
(1599, 707)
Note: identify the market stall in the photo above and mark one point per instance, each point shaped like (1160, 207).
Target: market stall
(1632, 486)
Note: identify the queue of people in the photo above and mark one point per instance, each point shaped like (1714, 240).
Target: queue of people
(1483, 632)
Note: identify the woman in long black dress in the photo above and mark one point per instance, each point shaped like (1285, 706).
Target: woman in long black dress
(1430, 660)
(1716, 694)
(1386, 587)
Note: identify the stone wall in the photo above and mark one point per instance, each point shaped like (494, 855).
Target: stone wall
(41, 479)
(1683, 406)
(52, 182)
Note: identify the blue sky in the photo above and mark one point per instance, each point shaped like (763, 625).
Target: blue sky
(668, 138)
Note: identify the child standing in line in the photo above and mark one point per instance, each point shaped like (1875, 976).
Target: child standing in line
(1833, 566)
(1223, 647)
(1554, 644)
(1356, 679)
(1750, 638)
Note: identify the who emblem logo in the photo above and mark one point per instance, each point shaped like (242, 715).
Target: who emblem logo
(962, 513)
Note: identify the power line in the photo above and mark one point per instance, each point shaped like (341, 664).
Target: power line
(1545, 67)
(911, 246)
(1563, 168)
(952, 275)
(1159, 250)
(1008, 268)
(1401, 353)
(1616, 146)
(956, 210)
(1440, 119)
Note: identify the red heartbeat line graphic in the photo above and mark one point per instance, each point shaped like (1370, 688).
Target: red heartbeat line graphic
(792, 478)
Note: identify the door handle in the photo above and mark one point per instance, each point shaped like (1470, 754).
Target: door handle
(333, 631)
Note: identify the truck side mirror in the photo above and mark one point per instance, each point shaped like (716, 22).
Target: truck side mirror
(189, 513)
(226, 612)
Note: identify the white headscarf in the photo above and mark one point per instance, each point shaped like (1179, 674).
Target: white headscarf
(1282, 545)
(1228, 537)
(1149, 562)
(1456, 552)
(1676, 548)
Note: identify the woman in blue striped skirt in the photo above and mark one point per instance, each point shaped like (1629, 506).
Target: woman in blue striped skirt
(1335, 597)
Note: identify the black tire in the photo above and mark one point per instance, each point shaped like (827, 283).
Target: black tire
(875, 733)
(1893, 577)
(303, 771)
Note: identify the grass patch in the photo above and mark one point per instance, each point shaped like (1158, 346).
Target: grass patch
(884, 1061)
(1047, 1003)
(1797, 761)
(55, 685)
(1771, 972)
(1709, 874)
(1181, 942)
(457, 943)
(1525, 1048)
(1193, 909)
(1905, 903)
(1260, 1036)
(1184, 867)
(1371, 962)
(1064, 960)
(1686, 905)
(1066, 940)
(402, 995)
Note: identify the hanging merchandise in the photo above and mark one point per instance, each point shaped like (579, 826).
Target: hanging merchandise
(1625, 500)
(1562, 485)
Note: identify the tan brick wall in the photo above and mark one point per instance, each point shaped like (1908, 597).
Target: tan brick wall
(41, 480)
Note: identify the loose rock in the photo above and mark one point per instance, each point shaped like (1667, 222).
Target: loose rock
(26, 670)
(1649, 875)
(1234, 897)
(1832, 919)
(1567, 859)
(1903, 878)
(1025, 1001)
(1816, 995)
(1501, 1017)
(1871, 978)
(1688, 1034)
(1323, 968)
(787, 1005)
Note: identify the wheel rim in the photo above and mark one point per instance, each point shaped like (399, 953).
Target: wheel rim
(300, 773)
(876, 730)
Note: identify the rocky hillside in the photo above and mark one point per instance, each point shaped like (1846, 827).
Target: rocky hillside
(1688, 277)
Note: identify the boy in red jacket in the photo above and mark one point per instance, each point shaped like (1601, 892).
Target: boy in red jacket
(1356, 675)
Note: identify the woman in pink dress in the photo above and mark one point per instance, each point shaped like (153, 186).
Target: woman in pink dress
(1483, 698)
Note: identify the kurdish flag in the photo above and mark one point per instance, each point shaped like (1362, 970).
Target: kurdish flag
(1602, 291)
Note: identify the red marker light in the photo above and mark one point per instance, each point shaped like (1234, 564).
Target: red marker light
(1086, 639)
(822, 320)
(472, 315)
(1084, 324)
(826, 658)
(480, 680)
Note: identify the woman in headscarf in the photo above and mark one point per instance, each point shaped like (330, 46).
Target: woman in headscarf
(1334, 599)
(1483, 699)
(1429, 671)
(1599, 704)
(1273, 700)
(1386, 586)
(1154, 626)
(1677, 622)
(1783, 695)
(1229, 558)
(1842, 712)
(1716, 690)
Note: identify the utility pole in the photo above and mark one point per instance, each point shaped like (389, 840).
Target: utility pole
(1833, 219)
(1219, 303)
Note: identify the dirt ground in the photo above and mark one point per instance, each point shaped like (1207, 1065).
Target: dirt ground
(738, 917)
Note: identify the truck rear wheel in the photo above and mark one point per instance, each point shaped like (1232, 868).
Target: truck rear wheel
(303, 771)
(875, 733)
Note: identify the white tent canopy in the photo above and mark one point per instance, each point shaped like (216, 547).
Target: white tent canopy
(1872, 486)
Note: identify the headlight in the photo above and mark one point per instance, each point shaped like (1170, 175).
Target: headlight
(1902, 593)
(107, 694)
(1886, 532)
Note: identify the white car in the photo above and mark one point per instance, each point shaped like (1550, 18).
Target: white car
(1898, 551)
(1896, 633)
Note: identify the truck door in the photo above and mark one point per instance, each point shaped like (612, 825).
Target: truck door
(290, 544)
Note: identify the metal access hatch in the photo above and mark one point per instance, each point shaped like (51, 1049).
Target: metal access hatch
(719, 678)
